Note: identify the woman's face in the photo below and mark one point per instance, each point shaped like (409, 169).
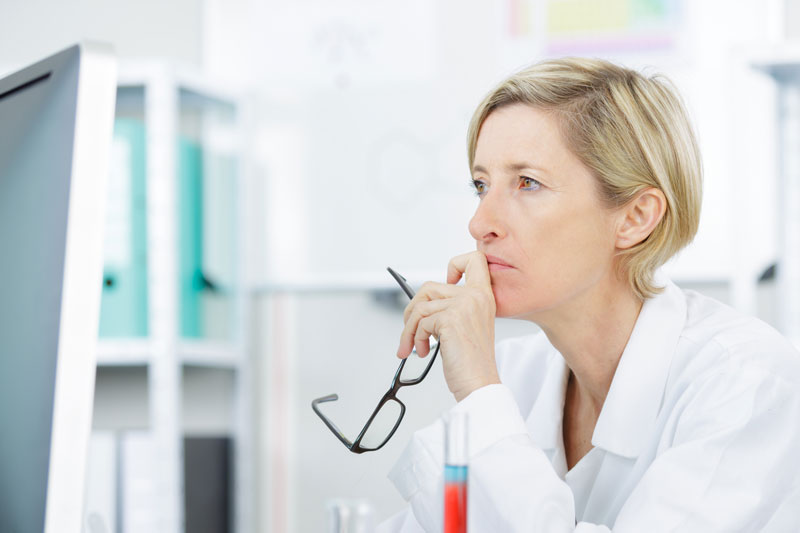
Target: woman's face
(540, 221)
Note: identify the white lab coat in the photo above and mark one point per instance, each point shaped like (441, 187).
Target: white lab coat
(700, 432)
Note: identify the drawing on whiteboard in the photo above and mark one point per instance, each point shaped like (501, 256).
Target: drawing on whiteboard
(343, 48)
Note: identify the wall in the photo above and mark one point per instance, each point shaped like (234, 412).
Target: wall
(359, 130)
(33, 29)
(359, 119)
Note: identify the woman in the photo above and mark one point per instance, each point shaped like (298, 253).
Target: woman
(639, 406)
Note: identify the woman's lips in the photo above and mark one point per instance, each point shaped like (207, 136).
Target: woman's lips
(495, 263)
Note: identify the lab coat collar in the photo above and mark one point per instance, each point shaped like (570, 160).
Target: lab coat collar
(544, 419)
(637, 389)
(634, 400)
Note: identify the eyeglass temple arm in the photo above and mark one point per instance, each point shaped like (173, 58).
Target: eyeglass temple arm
(336, 431)
(402, 282)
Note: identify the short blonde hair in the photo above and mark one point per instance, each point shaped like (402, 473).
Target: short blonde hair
(632, 132)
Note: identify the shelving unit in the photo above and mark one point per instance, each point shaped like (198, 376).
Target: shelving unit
(783, 65)
(190, 125)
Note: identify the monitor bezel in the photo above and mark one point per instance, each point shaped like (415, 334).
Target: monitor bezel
(83, 263)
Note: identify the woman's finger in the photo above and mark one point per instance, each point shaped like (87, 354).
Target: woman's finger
(419, 311)
(473, 267)
(429, 291)
(425, 328)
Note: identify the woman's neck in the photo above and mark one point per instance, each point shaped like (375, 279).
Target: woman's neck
(592, 335)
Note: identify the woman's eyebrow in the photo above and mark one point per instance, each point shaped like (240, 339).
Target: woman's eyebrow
(515, 167)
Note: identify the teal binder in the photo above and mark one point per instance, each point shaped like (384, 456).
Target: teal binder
(190, 231)
(123, 308)
(207, 236)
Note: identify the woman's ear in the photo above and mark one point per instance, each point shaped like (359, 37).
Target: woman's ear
(639, 217)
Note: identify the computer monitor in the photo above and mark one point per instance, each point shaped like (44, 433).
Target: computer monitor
(56, 119)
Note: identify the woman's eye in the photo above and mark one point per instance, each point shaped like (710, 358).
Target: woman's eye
(479, 187)
(529, 183)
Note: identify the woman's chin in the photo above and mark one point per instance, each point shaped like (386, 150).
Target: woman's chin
(507, 307)
(504, 302)
(509, 304)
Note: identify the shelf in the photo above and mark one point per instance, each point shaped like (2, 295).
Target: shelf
(781, 62)
(208, 400)
(206, 353)
(141, 73)
(121, 401)
(156, 375)
(347, 281)
(381, 280)
(783, 65)
(139, 352)
(126, 352)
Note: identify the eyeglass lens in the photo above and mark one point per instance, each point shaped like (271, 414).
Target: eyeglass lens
(382, 425)
(416, 366)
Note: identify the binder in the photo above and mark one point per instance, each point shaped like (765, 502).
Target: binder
(123, 309)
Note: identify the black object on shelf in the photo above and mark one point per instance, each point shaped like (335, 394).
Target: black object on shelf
(207, 484)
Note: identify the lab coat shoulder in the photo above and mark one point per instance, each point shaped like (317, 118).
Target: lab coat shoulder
(729, 370)
(717, 340)
(727, 431)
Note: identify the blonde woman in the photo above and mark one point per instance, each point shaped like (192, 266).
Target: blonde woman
(639, 407)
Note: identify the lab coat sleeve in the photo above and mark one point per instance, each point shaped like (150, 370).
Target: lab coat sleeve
(512, 484)
(728, 464)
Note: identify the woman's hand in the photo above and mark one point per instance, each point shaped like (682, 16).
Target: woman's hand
(462, 318)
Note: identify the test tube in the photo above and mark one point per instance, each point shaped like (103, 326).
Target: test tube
(455, 473)
(350, 516)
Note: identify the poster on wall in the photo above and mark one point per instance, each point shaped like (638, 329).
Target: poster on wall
(533, 29)
(613, 26)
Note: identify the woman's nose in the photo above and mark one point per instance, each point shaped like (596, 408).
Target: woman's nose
(487, 223)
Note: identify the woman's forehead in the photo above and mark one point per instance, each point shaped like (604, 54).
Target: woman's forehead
(518, 137)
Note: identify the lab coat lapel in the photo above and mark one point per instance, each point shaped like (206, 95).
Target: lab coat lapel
(544, 419)
(634, 400)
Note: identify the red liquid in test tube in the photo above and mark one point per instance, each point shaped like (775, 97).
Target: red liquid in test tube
(456, 474)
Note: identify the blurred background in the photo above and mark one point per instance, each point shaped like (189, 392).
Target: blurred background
(271, 158)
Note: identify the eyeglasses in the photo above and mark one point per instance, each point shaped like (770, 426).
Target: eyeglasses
(386, 417)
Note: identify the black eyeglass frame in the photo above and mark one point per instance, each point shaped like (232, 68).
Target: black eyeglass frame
(391, 394)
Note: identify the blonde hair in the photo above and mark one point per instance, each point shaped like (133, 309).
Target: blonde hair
(632, 132)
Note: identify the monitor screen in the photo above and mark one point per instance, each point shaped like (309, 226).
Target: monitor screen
(55, 135)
